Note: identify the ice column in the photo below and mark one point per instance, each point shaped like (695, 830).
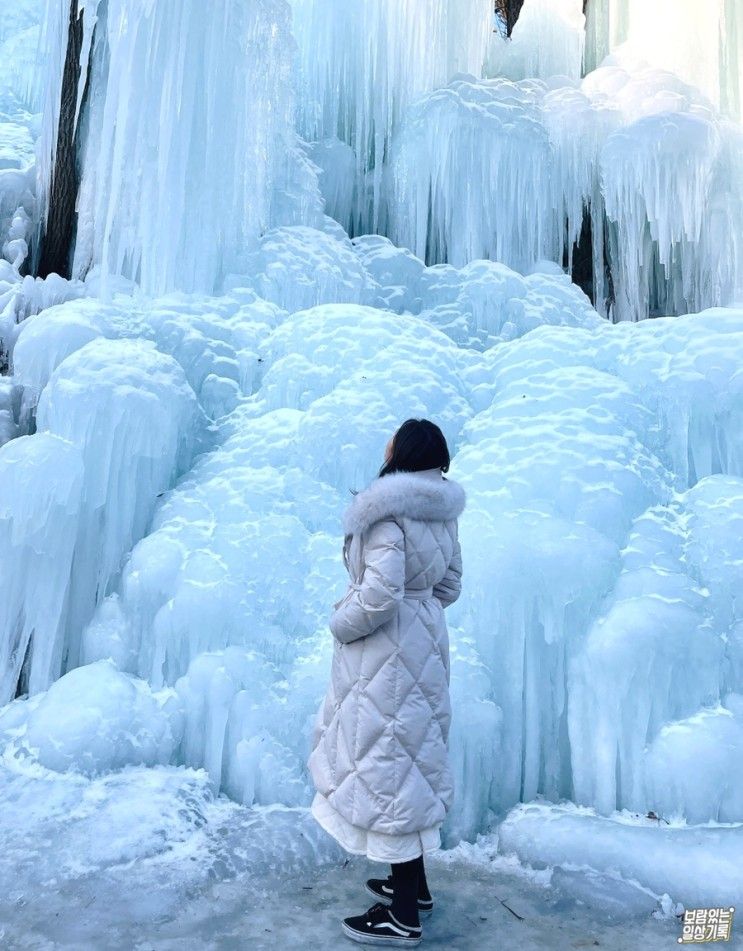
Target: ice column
(41, 480)
(189, 150)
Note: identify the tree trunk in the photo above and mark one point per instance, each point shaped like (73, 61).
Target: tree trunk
(59, 232)
(510, 10)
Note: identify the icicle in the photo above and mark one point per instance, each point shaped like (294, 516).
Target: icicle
(363, 63)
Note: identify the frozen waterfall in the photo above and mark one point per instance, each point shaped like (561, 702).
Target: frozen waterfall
(297, 225)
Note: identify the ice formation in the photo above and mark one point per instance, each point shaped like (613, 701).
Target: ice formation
(215, 150)
(643, 136)
(361, 66)
(631, 849)
(174, 464)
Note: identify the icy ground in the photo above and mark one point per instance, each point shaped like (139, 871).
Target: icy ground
(147, 861)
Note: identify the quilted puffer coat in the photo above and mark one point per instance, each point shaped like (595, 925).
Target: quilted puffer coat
(381, 735)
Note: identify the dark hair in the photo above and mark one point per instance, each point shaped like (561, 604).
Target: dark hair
(418, 444)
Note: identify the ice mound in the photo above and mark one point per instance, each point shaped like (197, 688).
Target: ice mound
(323, 347)
(485, 303)
(396, 273)
(126, 413)
(45, 342)
(300, 267)
(478, 305)
(96, 719)
(215, 341)
(691, 765)
(697, 866)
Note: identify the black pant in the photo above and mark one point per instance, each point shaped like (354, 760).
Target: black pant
(408, 884)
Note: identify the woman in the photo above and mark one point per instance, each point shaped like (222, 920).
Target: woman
(379, 759)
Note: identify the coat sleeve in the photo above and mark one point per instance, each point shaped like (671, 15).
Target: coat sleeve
(376, 597)
(450, 587)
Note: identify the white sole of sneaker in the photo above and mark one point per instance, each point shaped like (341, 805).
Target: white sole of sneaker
(384, 900)
(379, 939)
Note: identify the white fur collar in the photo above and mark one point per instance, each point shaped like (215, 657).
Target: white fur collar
(411, 494)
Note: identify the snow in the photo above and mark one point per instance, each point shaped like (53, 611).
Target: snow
(181, 425)
(120, 724)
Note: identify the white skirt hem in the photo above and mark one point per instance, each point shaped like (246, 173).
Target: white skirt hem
(376, 846)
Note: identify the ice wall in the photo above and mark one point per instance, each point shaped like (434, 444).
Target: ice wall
(189, 151)
(362, 64)
(522, 171)
(596, 646)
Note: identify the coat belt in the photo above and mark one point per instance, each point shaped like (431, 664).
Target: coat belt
(420, 593)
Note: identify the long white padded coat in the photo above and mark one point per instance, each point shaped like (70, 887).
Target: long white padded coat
(380, 742)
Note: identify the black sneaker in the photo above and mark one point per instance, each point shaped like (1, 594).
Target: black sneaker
(378, 926)
(382, 890)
